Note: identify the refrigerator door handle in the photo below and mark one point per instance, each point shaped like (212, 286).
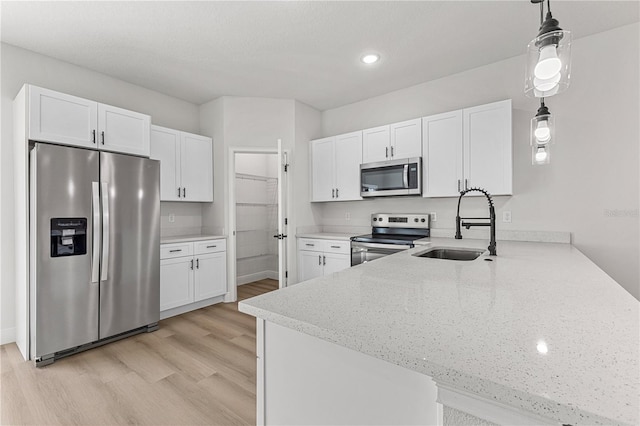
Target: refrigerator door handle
(95, 254)
(105, 231)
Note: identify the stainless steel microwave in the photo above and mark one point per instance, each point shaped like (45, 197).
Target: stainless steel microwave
(394, 177)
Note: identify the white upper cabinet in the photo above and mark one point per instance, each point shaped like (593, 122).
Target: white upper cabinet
(468, 148)
(442, 154)
(165, 147)
(335, 167)
(323, 169)
(348, 157)
(186, 164)
(376, 144)
(406, 139)
(65, 119)
(487, 147)
(392, 142)
(123, 131)
(196, 159)
(70, 120)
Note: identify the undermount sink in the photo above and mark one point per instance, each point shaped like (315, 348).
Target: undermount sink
(451, 253)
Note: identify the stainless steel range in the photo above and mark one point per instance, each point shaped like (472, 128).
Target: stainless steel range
(390, 233)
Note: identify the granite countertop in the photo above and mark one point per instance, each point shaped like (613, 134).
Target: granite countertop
(189, 238)
(327, 236)
(483, 327)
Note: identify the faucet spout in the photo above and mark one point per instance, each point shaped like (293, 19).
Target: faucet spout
(468, 225)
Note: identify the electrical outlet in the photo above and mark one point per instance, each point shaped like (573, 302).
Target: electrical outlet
(434, 217)
(347, 216)
(506, 216)
(172, 217)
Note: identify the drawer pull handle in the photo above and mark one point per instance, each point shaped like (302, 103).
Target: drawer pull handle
(310, 245)
(173, 251)
(212, 246)
(335, 246)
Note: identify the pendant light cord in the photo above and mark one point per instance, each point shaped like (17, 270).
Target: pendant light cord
(541, 12)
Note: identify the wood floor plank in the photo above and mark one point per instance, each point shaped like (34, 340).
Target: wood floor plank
(198, 368)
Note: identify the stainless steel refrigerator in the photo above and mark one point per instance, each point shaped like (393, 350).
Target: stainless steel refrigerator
(94, 250)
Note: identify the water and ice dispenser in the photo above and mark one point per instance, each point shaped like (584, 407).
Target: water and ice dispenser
(68, 236)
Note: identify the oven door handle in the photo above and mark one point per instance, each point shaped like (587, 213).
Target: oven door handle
(397, 247)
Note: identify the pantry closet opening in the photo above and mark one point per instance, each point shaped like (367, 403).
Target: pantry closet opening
(256, 206)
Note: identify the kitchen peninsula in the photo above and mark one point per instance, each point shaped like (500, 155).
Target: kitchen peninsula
(536, 335)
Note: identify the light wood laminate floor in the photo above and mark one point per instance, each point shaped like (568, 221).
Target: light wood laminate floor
(198, 368)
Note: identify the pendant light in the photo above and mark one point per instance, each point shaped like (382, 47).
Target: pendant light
(542, 135)
(549, 57)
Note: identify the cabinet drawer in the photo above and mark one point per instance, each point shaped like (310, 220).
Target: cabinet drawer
(210, 246)
(342, 247)
(169, 251)
(308, 244)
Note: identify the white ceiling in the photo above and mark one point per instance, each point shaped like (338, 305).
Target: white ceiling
(309, 51)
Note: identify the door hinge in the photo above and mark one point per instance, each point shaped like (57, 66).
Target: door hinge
(286, 168)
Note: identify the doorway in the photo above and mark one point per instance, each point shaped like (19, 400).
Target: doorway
(256, 200)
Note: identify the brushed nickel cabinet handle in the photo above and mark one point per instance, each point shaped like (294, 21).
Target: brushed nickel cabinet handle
(178, 192)
(386, 152)
(212, 246)
(319, 260)
(392, 152)
(175, 251)
(102, 134)
(93, 135)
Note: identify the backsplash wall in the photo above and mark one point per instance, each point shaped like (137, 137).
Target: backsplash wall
(187, 218)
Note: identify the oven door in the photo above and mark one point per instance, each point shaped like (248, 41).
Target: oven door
(366, 252)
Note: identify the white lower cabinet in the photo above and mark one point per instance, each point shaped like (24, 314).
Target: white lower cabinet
(317, 257)
(191, 274)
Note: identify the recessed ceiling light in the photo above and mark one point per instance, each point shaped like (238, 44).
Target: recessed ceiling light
(370, 58)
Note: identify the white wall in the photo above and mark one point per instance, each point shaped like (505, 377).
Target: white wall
(594, 166)
(21, 66)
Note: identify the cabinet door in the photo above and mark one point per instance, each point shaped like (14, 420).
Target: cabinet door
(176, 282)
(124, 131)
(442, 155)
(335, 262)
(487, 147)
(165, 147)
(376, 144)
(211, 275)
(406, 139)
(348, 157)
(309, 265)
(196, 164)
(65, 119)
(323, 169)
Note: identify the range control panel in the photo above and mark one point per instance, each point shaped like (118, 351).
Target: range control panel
(395, 220)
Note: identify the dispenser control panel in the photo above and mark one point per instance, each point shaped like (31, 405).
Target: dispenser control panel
(68, 236)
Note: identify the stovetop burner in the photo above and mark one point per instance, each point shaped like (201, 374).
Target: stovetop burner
(396, 229)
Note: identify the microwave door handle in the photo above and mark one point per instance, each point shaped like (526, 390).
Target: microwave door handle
(405, 176)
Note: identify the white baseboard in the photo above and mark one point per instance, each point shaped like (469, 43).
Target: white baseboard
(7, 335)
(246, 279)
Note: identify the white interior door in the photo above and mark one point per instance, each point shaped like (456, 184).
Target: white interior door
(283, 188)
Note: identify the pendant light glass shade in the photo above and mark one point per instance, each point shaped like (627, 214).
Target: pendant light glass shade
(549, 61)
(542, 135)
(542, 130)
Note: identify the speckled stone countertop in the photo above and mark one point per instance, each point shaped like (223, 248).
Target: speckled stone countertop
(327, 236)
(476, 325)
(189, 238)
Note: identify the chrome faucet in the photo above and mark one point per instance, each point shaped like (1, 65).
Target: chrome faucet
(492, 219)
